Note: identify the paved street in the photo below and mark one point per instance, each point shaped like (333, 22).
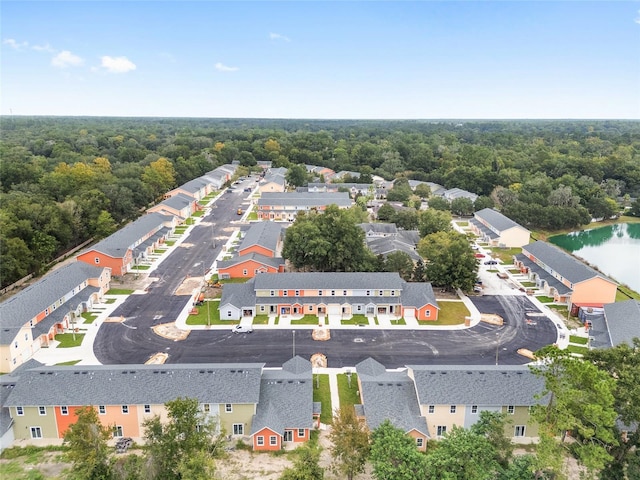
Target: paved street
(133, 341)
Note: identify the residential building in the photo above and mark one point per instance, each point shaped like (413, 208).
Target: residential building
(249, 266)
(329, 293)
(390, 396)
(623, 321)
(286, 206)
(32, 317)
(378, 230)
(179, 205)
(264, 238)
(198, 188)
(498, 230)
(454, 193)
(123, 249)
(274, 180)
(454, 395)
(564, 277)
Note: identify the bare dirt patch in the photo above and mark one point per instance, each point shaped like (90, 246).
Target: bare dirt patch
(190, 285)
(491, 318)
(170, 331)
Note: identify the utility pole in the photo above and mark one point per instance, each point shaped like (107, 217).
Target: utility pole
(208, 315)
(72, 317)
(497, 345)
(294, 342)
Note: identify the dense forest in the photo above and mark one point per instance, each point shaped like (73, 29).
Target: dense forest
(66, 180)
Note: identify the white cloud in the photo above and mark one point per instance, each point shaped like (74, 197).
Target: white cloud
(44, 48)
(637, 20)
(224, 68)
(277, 36)
(117, 64)
(15, 44)
(66, 59)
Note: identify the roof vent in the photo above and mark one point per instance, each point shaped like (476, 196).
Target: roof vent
(210, 371)
(481, 373)
(76, 373)
(200, 371)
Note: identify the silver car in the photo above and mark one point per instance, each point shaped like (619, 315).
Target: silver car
(242, 329)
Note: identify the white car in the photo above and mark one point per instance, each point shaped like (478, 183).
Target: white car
(242, 329)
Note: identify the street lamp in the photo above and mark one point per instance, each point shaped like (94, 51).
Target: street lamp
(497, 345)
(208, 315)
(294, 342)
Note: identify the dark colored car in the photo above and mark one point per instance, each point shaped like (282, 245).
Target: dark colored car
(491, 262)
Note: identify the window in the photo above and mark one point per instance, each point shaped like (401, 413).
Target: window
(19, 411)
(368, 293)
(432, 408)
(64, 410)
(96, 260)
(228, 408)
(333, 293)
(117, 431)
(273, 440)
(288, 436)
(147, 409)
(125, 409)
(297, 293)
(238, 428)
(519, 431)
(452, 409)
(244, 272)
(474, 408)
(272, 293)
(511, 409)
(26, 335)
(380, 292)
(262, 308)
(42, 410)
(319, 293)
(442, 429)
(15, 344)
(393, 293)
(206, 408)
(301, 433)
(285, 293)
(344, 292)
(102, 409)
(260, 441)
(36, 432)
(419, 442)
(228, 313)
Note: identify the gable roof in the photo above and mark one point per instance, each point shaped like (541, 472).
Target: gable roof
(26, 304)
(305, 199)
(418, 294)
(566, 265)
(623, 321)
(476, 384)
(497, 220)
(387, 245)
(274, 262)
(239, 294)
(381, 228)
(329, 280)
(137, 384)
(389, 396)
(177, 202)
(117, 244)
(265, 234)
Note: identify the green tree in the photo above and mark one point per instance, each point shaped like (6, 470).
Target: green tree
(419, 274)
(386, 213)
(305, 467)
(449, 260)
(399, 262)
(432, 221)
(394, 455)
(482, 202)
(422, 190)
(297, 175)
(577, 399)
(462, 206)
(407, 219)
(491, 425)
(187, 435)
(350, 442)
(463, 455)
(88, 450)
(159, 176)
(439, 203)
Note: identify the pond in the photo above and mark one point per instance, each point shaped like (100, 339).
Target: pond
(614, 250)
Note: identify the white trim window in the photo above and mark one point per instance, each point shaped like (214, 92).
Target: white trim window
(260, 441)
(118, 431)
(511, 409)
(125, 409)
(36, 432)
(20, 411)
(474, 408)
(228, 408)
(519, 430)
(102, 409)
(442, 429)
(238, 428)
(64, 410)
(273, 440)
(419, 442)
(301, 433)
(431, 409)
(452, 409)
(42, 411)
(147, 408)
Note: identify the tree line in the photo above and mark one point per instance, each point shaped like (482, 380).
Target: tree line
(66, 180)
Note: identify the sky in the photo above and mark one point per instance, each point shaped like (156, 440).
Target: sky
(326, 60)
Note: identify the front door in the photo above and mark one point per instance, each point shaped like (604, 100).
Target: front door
(288, 435)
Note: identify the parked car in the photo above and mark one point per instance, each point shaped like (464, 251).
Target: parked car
(491, 262)
(479, 255)
(239, 212)
(242, 329)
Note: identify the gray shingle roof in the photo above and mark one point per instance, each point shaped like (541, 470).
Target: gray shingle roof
(454, 193)
(497, 219)
(305, 199)
(266, 234)
(26, 304)
(623, 320)
(476, 384)
(116, 245)
(389, 396)
(418, 294)
(286, 398)
(484, 229)
(329, 280)
(44, 325)
(379, 228)
(271, 261)
(387, 245)
(566, 265)
(178, 202)
(137, 384)
(239, 294)
(543, 274)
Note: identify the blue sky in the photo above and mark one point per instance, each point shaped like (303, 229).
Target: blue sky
(331, 59)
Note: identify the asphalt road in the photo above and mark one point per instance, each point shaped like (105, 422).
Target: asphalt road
(133, 341)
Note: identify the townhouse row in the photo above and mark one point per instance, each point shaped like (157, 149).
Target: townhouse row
(340, 294)
(269, 408)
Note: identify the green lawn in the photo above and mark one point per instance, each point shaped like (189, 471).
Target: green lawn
(306, 320)
(232, 280)
(66, 340)
(451, 313)
(577, 349)
(210, 318)
(578, 340)
(160, 251)
(252, 216)
(348, 395)
(505, 254)
(323, 395)
(179, 230)
(119, 291)
(624, 293)
(110, 300)
(89, 317)
(169, 243)
(189, 221)
(399, 321)
(544, 299)
(198, 213)
(142, 267)
(70, 362)
(261, 320)
(514, 271)
(528, 284)
(356, 320)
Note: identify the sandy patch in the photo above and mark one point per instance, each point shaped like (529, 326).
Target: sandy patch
(170, 331)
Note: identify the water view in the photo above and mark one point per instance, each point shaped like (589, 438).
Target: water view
(614, 250)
